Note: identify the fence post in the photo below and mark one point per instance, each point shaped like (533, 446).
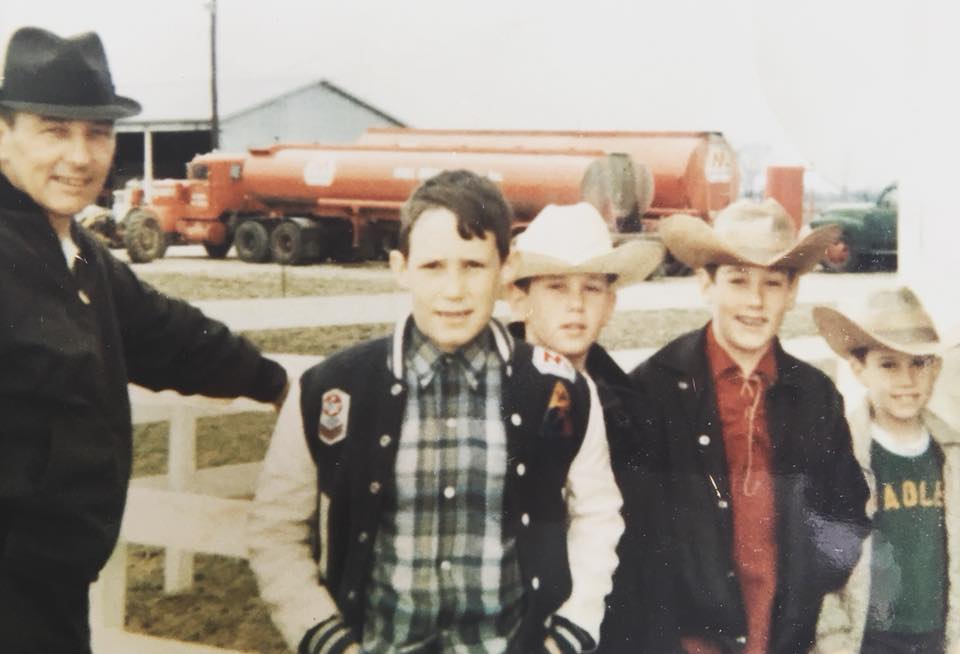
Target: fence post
(181, 466)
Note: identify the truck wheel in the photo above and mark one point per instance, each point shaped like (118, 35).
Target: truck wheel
(287, 244)
(143, 237)
(252, 241)
(219, 250)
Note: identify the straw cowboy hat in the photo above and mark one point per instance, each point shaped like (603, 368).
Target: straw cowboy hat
(568, 239)
(891, 319)
(56, 77)
(746, 233)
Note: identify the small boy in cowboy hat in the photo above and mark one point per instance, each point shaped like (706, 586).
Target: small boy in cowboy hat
(764, 502)
(904, 594)
(563, 275)
(77, 326)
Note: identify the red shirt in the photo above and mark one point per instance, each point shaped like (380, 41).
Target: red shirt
(746, 440)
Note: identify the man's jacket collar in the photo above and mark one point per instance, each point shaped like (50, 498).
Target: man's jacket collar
(501, 338)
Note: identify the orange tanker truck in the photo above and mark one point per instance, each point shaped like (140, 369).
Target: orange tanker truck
(298, 203)
(693, 172)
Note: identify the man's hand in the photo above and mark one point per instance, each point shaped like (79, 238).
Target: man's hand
(278, 403)
(550, 645)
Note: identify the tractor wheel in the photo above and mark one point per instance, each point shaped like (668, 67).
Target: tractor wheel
(839, 258)
(287, 244)
(252, 242)
(143, 237)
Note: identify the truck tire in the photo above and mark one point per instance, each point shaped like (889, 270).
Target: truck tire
(252, 242)
(143, 237)
(287, 244)
(219, 250)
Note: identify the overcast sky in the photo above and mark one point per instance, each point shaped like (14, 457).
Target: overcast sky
(814, 82)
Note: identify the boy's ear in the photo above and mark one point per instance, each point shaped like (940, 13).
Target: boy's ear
(857, 366)
(398, 266)
(706, 282)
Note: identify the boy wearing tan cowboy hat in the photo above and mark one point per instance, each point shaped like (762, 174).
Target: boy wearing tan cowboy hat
(563, 275)
(77, 326)
(904, 594)
(764, 502)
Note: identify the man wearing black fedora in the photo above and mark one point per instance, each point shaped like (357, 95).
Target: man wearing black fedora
(76, 326)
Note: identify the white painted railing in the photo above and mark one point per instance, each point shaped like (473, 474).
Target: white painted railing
(191, 510)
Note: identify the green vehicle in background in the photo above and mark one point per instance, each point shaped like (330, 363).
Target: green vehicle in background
(869, 238)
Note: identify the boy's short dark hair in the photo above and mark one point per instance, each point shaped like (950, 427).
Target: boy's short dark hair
(711, 269)
(476, 202)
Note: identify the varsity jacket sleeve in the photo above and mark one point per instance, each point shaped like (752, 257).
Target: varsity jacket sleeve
(279, 530)
(593, 507)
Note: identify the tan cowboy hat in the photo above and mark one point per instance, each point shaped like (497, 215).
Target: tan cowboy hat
(746, 233)
(892, 319)
(568, 239)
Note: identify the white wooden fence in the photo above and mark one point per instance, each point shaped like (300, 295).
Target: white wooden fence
(191, 510)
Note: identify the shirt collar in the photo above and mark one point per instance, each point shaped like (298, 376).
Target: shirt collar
(426, 360)
(722, 364)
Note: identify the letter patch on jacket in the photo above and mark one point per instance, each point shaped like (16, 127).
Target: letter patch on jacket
(333, 416)
(558, 412)
(551, 363)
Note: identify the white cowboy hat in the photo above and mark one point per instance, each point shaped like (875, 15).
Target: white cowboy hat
(746, 233)
(568, 239)
(891, 319)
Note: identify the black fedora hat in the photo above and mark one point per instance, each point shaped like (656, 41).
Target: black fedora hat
(61, 78)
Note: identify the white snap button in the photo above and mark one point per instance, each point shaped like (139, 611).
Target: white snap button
(682, 385)
(374, 487)
(516, 420)
(521, 470)
(535, 583)
(83, 296)
(722, 504)
(525, 519)
(451, 423)
(704, 440)
(445, 566)
(385, 440)
(449, 492)
(396, 389)
(362, 537)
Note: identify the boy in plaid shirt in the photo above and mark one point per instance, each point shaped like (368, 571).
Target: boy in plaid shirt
(447, 489)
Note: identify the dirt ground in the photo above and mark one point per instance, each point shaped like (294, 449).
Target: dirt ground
(223, 608)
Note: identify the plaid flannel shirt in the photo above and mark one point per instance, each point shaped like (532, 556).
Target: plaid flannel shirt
(445, 577)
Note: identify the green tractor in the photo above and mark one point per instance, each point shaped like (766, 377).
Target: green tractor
(868, 241)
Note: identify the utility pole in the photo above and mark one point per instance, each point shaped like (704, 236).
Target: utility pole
(214, 111)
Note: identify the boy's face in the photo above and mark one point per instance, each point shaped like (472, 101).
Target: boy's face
(453, 281)
(898, 384)
(748, 304)
(565, 312)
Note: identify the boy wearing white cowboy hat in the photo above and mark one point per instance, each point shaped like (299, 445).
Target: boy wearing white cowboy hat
(77, 326)
(764, 509)
(563, 275)
(904, 594)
